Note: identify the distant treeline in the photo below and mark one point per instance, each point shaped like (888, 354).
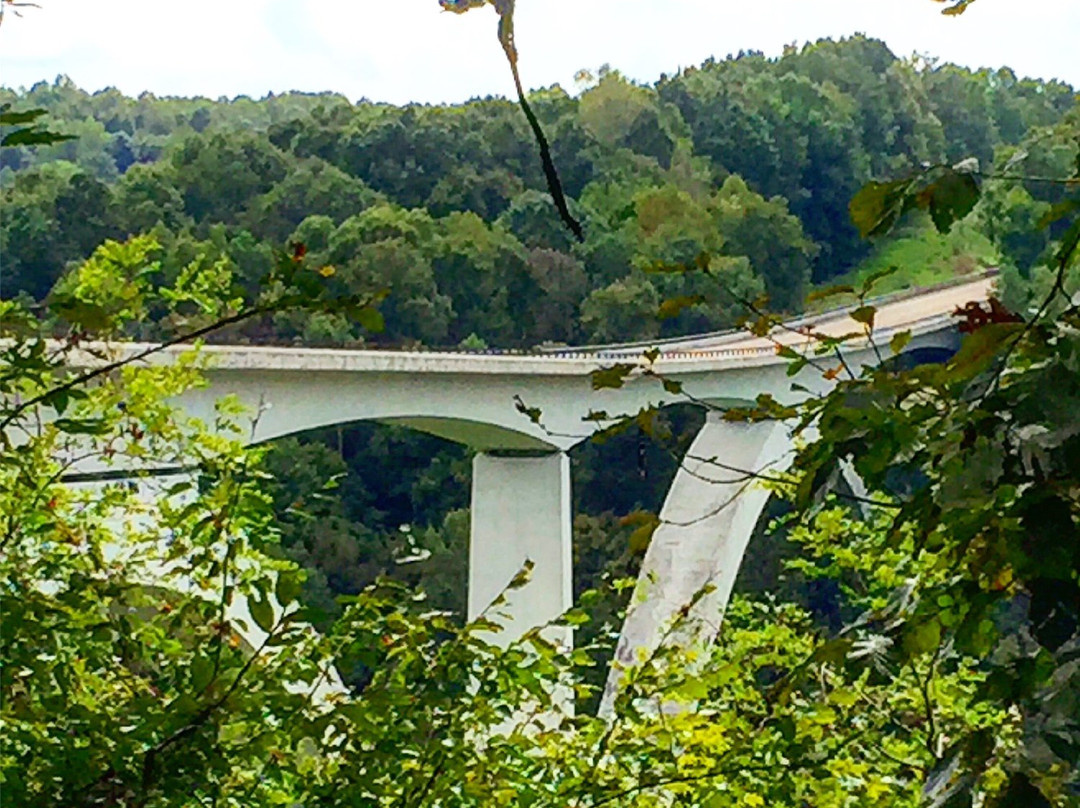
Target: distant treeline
(751, 160)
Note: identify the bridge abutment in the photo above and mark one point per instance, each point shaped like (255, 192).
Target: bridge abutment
(521, 513)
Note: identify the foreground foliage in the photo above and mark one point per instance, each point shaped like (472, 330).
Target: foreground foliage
(157, 648)
(155, 653)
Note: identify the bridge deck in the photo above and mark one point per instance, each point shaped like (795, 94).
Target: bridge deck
(893, 313)
(927, 311)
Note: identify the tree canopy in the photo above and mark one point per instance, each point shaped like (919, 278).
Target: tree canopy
(758, 145)
(218, 630)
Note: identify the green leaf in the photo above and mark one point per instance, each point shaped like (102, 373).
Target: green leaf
(872, 279)
(288, 588)
(370, 319)
(461, 6)
(764, 324)
(955, 10)
(877, 206)
(673, 306)
(951, 197)
(523, 576)
(1058, 211)
(8, 118)
(922, 638)
(575, 617)
(534, 414)
(262, 612)
(59, 401)
(865, 315)
(899, 341)
(808, 486)
(832, 291)
(611, 377)
(646, 524)
(82, 426)
(202, 673)
(32, 137)
(787, 352)
(979, 348)
(672, 386)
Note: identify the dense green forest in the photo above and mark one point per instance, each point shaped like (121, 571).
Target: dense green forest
(912, 644)
(750, 159)
(753, 160)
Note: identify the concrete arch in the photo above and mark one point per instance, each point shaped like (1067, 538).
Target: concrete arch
(286, 403)
(474, 434)
(707, 521)
(520, 497)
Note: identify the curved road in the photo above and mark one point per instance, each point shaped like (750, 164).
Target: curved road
(894, 313)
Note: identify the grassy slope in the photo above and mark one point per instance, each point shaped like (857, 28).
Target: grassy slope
(923, 256)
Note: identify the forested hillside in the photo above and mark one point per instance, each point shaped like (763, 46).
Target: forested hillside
(749, 159)
(191, 620)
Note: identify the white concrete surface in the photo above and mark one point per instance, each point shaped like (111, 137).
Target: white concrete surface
(472, 398)
(894, 312)
(705, 524)
(521, 515)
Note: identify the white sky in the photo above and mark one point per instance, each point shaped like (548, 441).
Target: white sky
(409, 50)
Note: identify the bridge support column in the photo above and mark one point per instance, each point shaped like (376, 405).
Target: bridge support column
(521, 512)
(706, 522)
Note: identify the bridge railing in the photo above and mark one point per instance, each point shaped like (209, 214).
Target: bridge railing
(670, 349)
(809, 318)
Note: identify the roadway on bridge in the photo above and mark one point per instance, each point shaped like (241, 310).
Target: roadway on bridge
(920, 311)
(891, 316)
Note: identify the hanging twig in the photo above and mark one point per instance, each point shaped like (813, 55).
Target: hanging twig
(506, 38)
(505, 9)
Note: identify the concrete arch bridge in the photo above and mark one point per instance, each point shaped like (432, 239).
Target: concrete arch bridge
(521, 475)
